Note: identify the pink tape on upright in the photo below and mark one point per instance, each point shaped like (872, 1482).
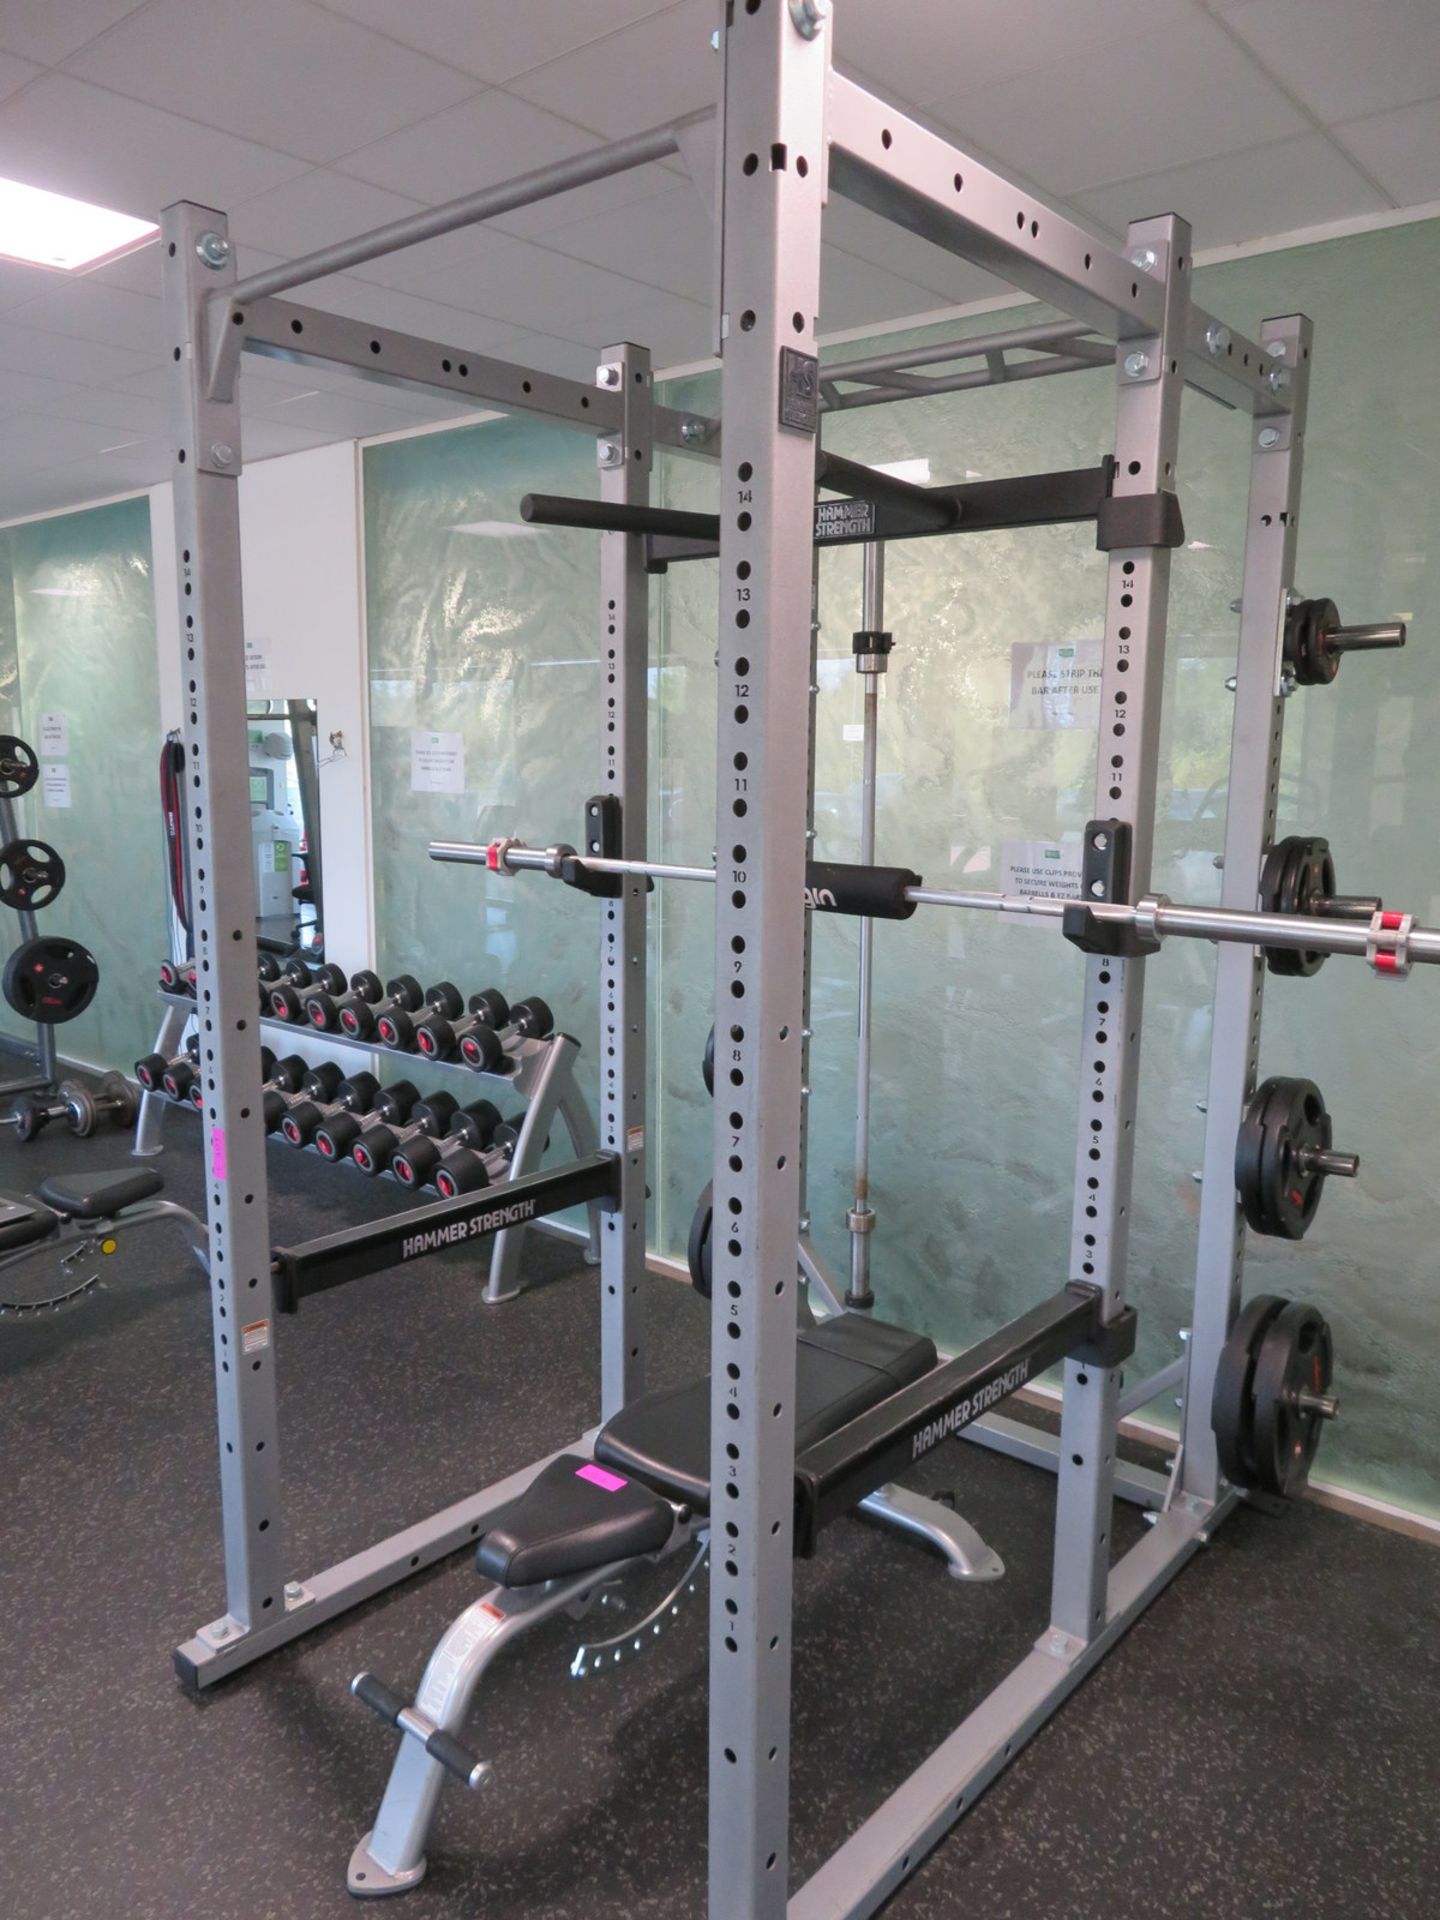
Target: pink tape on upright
(597, 1476)
(217, 1153)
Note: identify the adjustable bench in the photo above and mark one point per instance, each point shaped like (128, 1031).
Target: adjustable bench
(82, 1214)
(643, 1494)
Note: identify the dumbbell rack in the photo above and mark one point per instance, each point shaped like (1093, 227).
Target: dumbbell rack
(543, 1076)
(43, 1077)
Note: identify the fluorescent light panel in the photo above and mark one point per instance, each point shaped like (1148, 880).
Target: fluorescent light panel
(51, 230)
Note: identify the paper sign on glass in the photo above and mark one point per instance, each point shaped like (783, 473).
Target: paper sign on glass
(1055, 684)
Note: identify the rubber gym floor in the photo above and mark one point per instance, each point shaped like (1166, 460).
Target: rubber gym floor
(1264, 1741)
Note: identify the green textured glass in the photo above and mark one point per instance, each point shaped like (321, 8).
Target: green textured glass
(82, 644)
(977, 1038)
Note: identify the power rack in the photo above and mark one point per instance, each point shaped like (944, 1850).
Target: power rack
(793, 131)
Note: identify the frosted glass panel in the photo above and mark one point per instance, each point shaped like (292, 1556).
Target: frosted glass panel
(84, 644)
(484, 680)
(977, 1038)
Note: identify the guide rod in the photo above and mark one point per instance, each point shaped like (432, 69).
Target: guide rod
(1158, 915)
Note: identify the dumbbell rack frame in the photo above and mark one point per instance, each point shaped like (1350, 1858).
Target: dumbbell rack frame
(43, 1078)
(544, 1078)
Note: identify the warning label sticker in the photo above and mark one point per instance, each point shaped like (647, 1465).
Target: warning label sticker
(256, 1337)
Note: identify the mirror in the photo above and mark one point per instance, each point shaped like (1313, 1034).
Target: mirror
(285, 825)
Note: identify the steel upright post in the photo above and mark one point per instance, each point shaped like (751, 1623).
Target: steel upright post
(1277, 456)
(1150, 373)
(625, 467)
(198, 262)
(772, 170)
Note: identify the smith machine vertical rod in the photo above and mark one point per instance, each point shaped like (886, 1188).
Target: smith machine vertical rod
(773, 165)
(1150, 381)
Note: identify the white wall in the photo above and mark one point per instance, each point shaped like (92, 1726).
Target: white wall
(300, 540)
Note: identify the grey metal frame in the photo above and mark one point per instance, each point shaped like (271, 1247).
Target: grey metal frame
(792, 130)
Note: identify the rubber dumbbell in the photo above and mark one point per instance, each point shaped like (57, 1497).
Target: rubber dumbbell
(440, 1037)
(358, 1017)
(150, 1071)
(485, 1051)
(288, 1002)
(378, 1145)
(313, 1109)
(471, 1167)
(279, 1087)
(335, 1137)
(416, 1163)
(170, 977)
(397, 1026)
(323, 1009)
(267, 968)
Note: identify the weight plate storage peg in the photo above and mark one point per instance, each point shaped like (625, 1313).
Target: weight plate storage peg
(1272, 1392)
(31, 875)
(1284, 1155)
(50, 980)
(19, 769)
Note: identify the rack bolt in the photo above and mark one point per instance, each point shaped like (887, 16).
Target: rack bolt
(611, 453)
(1217, 338)
(1269, 437)
(607, 374)
(213, 248)
(1135, 364)
(809, 16)
(1146, 258)
(294, 1591)
(1279, 379)
(692, 432)
(1275, 349)
(222, 453)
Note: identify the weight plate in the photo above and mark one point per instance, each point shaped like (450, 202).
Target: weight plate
(1306, 626)
(121, 1098)
(28, 1116)
(1294, 1355)
(19, 769)
(1298, 871)
(81, 1112)
(50, 980)
(699, 1249)
(31, 875)
(1231, 1402)
(707, 1065)
(1249, 1154)
(1297, 1121)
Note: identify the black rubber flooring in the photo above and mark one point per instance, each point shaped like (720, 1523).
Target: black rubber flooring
(1264, 1742)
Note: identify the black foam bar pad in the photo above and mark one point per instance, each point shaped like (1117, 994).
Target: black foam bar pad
(614, 516)
(874, 893)
(335, 1258)
(834, 1476)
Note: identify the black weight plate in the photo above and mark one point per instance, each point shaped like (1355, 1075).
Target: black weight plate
(1250, 1159)
(125, 1095)
(1294, 1355)
(1296, 1119)
(1298, 871)
(19, 769)
(31, 875)
(707, 1066)
(50, 980)
(1306, 626)
(1231, 1403)
(699, 1249)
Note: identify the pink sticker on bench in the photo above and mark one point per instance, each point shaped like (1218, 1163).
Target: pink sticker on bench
(611, 1482)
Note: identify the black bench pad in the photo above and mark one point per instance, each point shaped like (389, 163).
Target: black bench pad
(843, 1367)
(574, 1515)
(95, 1196)
(22, 1223)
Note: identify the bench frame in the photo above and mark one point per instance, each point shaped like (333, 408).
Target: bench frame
(72, 1238)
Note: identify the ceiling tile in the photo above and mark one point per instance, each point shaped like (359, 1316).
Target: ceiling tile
(82, 140)
(1242, 196)
(489, 138)
(122, 412)
(1087, 121)
(388, 307)
(639, 77)
(1345, 60)
(853, 293)
(282, 72)
(16, 73)
(924, 50)
(19, 283)
(41, 440)
(266, 438)
(47, 31)
(315, 211)
(87, 309)
(856, 230)
(28, 350)
(1401, 149)
(496, 39)
(668, 243)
